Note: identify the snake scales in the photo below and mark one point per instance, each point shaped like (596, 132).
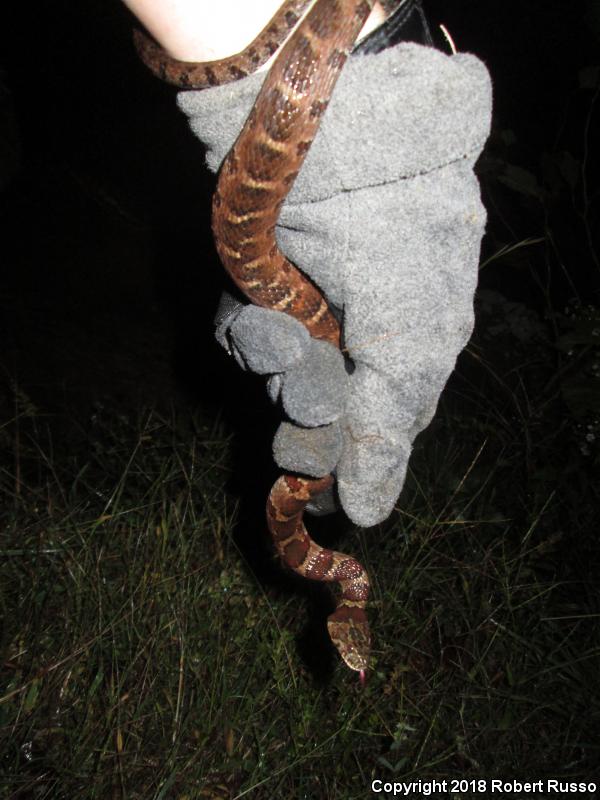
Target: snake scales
(254, 180)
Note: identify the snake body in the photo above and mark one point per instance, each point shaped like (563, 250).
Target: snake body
(254, 180)
(193, 75)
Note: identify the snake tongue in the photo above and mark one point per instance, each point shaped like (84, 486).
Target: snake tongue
(363, 677)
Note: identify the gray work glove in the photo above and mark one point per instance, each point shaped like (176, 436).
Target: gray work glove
(385, 217)
(308, 375)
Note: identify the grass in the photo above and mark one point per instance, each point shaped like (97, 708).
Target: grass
(146, 653)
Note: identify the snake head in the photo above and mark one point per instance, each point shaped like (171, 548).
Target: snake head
(349, 631)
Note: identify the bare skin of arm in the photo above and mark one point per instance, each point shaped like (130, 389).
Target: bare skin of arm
(206, 30)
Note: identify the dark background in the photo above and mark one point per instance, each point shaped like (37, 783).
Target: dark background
(108, 275)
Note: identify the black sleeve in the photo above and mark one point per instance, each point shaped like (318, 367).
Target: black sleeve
(406, 24)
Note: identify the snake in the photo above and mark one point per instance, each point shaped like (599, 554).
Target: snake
(254, 180)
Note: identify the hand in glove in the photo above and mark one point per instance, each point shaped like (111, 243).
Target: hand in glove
(386, 219)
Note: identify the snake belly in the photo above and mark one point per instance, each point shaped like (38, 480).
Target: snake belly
(255, 178)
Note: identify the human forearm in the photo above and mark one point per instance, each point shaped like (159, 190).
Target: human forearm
(203, 30)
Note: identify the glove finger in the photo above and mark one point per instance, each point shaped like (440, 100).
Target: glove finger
(370, 476)
(227, 311)
(310, 451)
(267, 341)
(314, 391)
(383, 416)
